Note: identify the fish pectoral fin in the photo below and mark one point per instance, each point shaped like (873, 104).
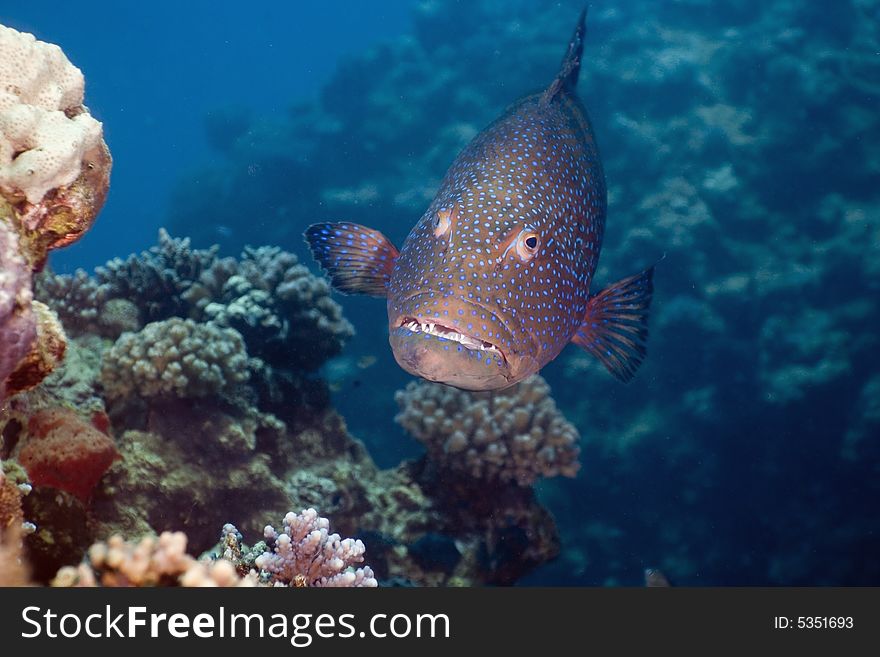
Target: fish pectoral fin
(615, 326)
(359, 260)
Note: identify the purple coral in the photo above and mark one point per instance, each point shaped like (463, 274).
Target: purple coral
(17, 322)
(305, 554)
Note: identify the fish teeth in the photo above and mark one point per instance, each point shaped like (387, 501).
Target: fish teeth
(432, 328)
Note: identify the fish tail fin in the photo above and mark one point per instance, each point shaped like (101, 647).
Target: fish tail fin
(567, 78)
(615, 326)
(358, 259)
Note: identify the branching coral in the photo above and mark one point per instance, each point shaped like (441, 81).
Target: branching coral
(284, 313)
(76, 299)
(152, 561)
(175, 358)
(85, 306)
(305, 554)
(158, 280)
(516, 435)
(280, 307)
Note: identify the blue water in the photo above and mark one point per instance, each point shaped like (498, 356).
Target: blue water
(155, 71)
(742, 150)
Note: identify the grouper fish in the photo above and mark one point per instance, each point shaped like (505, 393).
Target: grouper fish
(494, 280)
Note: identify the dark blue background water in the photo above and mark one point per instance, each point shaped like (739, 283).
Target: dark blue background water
(739, 138)
(155, 70)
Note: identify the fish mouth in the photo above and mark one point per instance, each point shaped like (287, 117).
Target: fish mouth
(436, 328)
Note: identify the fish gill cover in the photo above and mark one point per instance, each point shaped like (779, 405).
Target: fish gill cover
(740, 146)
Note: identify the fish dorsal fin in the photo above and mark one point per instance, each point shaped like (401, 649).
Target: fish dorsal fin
(566, 79)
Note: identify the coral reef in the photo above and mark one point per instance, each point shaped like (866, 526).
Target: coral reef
(158, 280)
(83, 306)
(192, 455)
(280, 308)
(737, 141)
(175, 358)
(152, 561)
(54, 175)
(516, 435)
(43, 88)
(209, 370)
(289, 323)
(305, 554)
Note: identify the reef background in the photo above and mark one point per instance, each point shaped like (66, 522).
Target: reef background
(741, 143)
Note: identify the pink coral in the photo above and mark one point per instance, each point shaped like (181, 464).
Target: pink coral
(305, 554)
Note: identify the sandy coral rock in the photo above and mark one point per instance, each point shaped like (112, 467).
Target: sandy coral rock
(63, 451)
(54, 164)
(176, 357)
(11, 516)
(194, 454)
(13, 569)
(18, 328)
(73, 384)
(517, 435)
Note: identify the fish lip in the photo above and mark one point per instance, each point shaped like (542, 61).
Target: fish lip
(398, 303)
(437, 327)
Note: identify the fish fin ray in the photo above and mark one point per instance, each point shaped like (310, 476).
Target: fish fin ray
(359, 260)
(567, 78)
(615, 326)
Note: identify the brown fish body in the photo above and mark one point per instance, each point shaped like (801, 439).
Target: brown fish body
(535, 172)
(494, 280)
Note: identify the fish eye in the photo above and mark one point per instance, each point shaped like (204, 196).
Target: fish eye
(527, 244)
(442, 221)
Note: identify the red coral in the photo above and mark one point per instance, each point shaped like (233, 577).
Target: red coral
(64, 451)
